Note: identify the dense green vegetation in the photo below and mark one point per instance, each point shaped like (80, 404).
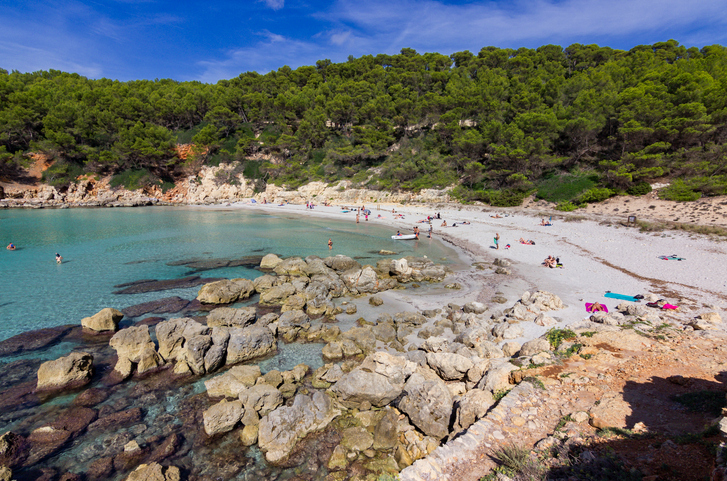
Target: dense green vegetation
(574, 125)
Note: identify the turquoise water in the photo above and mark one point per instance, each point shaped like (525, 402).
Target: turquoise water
(106, 247)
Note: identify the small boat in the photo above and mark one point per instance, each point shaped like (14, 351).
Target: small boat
(404, 236)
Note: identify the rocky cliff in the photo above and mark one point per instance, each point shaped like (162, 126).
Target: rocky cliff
(212, 185)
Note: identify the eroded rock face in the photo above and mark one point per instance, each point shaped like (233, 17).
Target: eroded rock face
(104, 320)
(428, 403)
(282, 428)
(73, 370)
(225, 291)
(293, 323)
(134, 345)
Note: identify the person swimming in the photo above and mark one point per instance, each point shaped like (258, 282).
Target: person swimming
(59, 258)
(11, 247)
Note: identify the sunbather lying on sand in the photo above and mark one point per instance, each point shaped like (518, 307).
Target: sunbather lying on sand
(596, 307)
(527, 242)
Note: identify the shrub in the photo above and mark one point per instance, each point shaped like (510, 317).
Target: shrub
(679, 191)
(557, 336)
(61, 173)
(639, 188)
(566, 207)
(133, 179)
(596, 194)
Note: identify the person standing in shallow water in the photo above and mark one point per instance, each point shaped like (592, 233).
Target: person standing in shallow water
(330, 244)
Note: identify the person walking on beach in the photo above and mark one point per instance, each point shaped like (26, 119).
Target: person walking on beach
(497, 240)
(330, 244)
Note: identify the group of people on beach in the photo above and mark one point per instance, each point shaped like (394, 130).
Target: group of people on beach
(551, 262)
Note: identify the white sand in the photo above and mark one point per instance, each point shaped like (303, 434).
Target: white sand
(597, 258)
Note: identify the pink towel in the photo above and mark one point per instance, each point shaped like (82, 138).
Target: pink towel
(590, 304)
(669, 306)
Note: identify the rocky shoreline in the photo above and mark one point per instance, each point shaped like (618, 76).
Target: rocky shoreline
(418, 394)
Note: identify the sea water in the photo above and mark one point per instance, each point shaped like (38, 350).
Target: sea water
(103, 248)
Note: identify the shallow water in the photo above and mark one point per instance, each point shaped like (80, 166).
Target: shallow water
(107, 247)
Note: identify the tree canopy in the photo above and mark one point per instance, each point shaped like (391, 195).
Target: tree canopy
(498, 123)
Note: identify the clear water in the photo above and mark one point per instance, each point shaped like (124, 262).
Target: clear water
(107, 247)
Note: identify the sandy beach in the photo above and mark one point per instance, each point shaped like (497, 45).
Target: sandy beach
(598, 255)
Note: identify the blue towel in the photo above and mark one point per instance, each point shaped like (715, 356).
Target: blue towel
(624, 297)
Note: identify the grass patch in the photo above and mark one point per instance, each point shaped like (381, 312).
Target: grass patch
(133, 179)
(563, 421)
(497, 395)
(535, 381)
(692, 228)
(556, 336)
(574, 349)
(588, 334)
(710, 402)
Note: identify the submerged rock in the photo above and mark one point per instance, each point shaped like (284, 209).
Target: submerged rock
(154, 472)
(73, 370)
(32, 340)
(160, 306)
(153, 285)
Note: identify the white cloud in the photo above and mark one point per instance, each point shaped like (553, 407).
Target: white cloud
(353, 27)
(275, 4)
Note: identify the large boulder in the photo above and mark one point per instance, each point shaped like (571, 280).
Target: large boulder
(222, 417)
(333, 283)
(262, 398)
(471, 407)
(133, 345)
(362, 337)
(231, 317)
(428, 403)
(270, 261)
(249, 343)
(173, 333)
(316, 266)
(361, 281)
(292, 266)
(276, 295)
(293, 323)
(378, 380)
(104, 320)
(449, 366)
(225, 291)
(282, 428)
(233, 382)
(73, 370)
(497, 377)
(341, 263)
(194, 353)
(535, 346)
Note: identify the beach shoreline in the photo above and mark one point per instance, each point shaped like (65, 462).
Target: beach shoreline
(598, 256)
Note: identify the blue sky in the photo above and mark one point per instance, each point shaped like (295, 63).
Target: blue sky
(213, 40)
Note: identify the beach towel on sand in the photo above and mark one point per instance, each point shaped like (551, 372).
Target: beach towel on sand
(589, 305)
(672, 258)
(623, 297)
